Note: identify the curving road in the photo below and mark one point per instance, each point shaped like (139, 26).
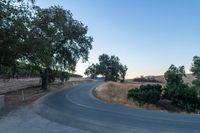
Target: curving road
(78, 108)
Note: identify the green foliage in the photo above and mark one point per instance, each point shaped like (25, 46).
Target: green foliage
(47, 39)
(57, 40)
(5, 72)
(64, 76)
(26, 70)
(109, 67)
(174, 77)
(58, 36)
(14, 21)
(196, 70)
(178, 92)
(146, 94)
(186, 98)
(92, 71)
(122, 72)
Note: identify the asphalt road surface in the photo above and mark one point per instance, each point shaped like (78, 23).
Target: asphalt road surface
(78, 108)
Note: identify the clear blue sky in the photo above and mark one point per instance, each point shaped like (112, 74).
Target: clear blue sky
(147, 35)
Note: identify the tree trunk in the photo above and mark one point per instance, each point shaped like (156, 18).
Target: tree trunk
(14, 69)
(44, 76)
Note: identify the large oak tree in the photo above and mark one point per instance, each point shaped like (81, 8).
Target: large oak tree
(47, 39)
(57, 40)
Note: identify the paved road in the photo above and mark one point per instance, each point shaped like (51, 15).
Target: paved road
(24, 120)
(78, 108)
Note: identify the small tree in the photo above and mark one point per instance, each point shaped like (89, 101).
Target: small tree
(178, 92)
(174, 77)
(92, 71)
(109, 67)
(122, 72)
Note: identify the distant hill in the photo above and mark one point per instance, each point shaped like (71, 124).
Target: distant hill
(160, 79)
(188, 79)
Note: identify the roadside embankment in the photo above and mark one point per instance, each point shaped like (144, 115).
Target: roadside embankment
(116, 93)
(26, 91)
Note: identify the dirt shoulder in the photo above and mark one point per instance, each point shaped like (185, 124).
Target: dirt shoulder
(26, 96)
(116, 93)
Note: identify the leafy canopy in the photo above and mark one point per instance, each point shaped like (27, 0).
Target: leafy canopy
(14, 21)
(109, 67)
(196, 70)
(57, 39)
(46, 38)
(178, 92)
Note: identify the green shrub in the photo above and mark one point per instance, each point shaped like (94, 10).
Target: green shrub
(170, 91)
(5, 72)
(64, 76)
(146, 94)
(185, 97)
(181, 95)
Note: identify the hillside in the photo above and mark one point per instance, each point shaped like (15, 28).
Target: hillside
(159, 79)
(188, 79)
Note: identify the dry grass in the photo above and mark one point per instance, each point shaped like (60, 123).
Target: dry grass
(22, 97)
(117, 93)
(188, 79)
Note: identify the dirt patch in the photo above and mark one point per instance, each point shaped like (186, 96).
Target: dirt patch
(116, 93)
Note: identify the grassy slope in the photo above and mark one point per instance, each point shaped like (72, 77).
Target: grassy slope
(117, 93)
